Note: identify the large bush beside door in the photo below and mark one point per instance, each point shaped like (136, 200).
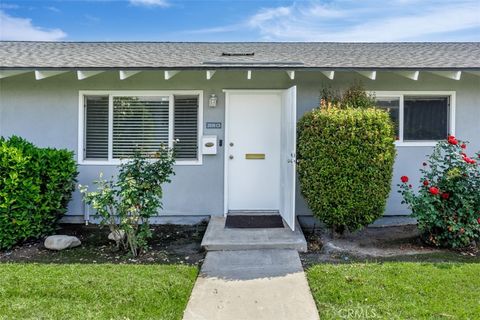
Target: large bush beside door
(36, 185)
(346, 153)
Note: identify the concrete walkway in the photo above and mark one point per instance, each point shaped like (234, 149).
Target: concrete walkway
(251, 284)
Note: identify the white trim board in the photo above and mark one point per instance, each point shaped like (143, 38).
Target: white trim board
(401, 94)
(113, 93)
(226, 136)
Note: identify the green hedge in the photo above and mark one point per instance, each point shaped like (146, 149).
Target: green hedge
(36, 185)
(345, 164)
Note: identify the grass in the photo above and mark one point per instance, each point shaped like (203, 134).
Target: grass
(87, 291)
(396, 290)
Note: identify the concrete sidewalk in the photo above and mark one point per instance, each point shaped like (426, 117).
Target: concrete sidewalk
(251, 284)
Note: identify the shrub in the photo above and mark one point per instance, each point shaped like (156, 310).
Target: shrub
(36, 185)
(127, 203)
(345, 160)
(447, 204)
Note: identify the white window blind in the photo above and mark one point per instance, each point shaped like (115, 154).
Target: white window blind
(115, 126)
(96, 127)
(139, 124)
(186, 127)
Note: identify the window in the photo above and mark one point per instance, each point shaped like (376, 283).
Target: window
(420, 118)
(117, 124)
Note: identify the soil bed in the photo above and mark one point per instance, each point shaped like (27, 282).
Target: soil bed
(170, 244)
(398, 243)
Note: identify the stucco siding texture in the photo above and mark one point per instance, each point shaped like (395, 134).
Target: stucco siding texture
(46, 113)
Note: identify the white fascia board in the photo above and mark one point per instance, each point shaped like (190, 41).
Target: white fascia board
(454, 75)
(81, 75)
(43, 74)
(124, 74)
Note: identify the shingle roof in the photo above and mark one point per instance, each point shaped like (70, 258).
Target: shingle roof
(266, 55)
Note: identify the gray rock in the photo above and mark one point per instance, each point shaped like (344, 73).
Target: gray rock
(116, 236)
(60, 242)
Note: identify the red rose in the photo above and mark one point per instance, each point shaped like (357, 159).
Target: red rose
(404, 179)
(445, 195)
(478, 220)
(434, 190)
(468, 160)
(452, 140)
(463, 146)
(425, 183)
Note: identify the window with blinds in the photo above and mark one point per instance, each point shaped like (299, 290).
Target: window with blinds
(96, 127)
(186, 127)
(140, 123)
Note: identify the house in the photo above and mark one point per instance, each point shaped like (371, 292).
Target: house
(231, 106)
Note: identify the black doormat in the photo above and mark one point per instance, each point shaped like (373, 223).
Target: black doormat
(254, 221)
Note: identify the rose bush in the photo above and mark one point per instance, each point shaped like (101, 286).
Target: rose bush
(447, 204)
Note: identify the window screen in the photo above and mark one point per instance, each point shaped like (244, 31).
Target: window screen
(425, 118)
(139, 124)
(186, 127)
(392, 105)
(96, 127)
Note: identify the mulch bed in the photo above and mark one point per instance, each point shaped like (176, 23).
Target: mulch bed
(400, 243)
(170, 244)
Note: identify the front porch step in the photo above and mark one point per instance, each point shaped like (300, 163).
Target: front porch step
(218, 238)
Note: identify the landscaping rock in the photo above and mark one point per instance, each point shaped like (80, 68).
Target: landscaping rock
(116, 236)
(60, 242)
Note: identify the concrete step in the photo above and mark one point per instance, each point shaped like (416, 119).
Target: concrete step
(218, 238)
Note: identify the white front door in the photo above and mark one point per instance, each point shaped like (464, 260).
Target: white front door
(288, 156)
(252, 150)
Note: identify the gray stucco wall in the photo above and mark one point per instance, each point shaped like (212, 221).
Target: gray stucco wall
(46, 113)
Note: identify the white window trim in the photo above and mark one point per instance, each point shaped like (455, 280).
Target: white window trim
(401, 95)
(113, 93)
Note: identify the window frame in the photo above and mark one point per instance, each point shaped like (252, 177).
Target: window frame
(401, 95)
(135, 93)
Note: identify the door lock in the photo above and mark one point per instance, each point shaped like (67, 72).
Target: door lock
(231, 144)
(231, 157)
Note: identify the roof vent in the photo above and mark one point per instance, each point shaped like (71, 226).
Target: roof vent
(238, 54)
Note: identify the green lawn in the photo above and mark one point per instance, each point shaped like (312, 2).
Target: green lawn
(86, 291)
(396, 290)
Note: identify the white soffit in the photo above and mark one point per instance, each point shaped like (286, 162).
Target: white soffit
(40, 75)
(412, 75)
(330, 74)
(372, 75)
(210, 74)
(454, 75)
(11, 73)
(170, 74)
(86, 74)
(124, 74)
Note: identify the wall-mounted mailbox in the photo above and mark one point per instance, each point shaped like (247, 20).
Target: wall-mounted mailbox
(209, 145)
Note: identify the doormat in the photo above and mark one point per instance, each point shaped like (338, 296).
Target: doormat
(254, 221)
